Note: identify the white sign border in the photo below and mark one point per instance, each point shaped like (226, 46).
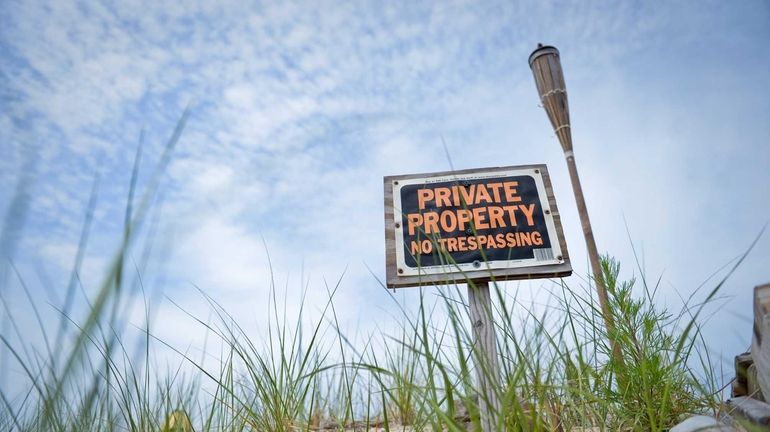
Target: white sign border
(536, 174)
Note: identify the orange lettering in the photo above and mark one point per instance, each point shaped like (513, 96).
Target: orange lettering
(479, 216)
(442, 197)
(455, 196)
(415, 248)
(496, 217)
(421, 247)
(431, 222)
(424, 195)
(511, 214)
(415, 220)
(448, 221)
(461, 244)
(536, 238)
(463, 217)
(510, 191)
(472, 245)
(466, 195)
(482, 194)
(495, 190)
(528, 212)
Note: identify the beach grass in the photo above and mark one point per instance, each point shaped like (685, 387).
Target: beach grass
(556, 368)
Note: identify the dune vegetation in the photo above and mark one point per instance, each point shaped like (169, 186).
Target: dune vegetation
(557, 371)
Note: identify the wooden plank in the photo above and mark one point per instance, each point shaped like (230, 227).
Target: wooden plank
(755, 412)
(485, 352)
(394, 280)
(752, 383)
(740, 384)
(760, 349)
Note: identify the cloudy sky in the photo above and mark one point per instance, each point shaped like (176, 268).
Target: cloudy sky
(298, 109)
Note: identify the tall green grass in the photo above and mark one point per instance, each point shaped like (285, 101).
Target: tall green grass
(556, 374)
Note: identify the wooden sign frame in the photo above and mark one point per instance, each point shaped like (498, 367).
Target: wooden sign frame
(399, 277)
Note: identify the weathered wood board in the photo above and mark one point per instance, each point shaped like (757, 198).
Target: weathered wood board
(485, 349)
(740, 383)
(755, 412)
(398, 276)
(760, 348)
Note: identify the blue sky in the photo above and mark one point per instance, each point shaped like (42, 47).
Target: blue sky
(298, 109)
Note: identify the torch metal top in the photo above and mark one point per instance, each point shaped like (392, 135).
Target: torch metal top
(542, 50)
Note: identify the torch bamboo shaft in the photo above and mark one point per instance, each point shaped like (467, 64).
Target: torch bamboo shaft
(593, 257)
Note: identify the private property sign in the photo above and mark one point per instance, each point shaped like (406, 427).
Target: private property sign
(481, 224)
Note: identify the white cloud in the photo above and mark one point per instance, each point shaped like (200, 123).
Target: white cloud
(299, 109)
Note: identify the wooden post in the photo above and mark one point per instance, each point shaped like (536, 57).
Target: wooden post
(593, 256)
(549, 79)
(760, 349)
(485, 352)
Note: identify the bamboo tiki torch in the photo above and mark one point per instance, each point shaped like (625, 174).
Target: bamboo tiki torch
(549, 78)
